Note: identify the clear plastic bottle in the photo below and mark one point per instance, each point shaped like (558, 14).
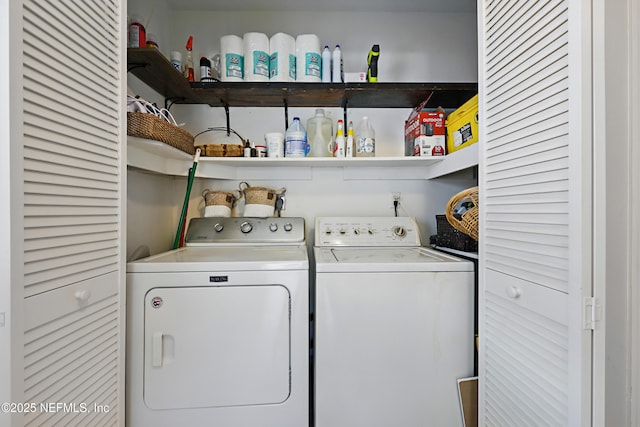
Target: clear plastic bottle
(338, 149)
(320, 135)
(365, 139)
(350, 146)
(295, 140)
(326, 65)
(336, 59)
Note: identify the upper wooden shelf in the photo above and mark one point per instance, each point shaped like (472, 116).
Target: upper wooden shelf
(149, 65)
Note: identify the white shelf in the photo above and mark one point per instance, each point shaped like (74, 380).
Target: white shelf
(161, 158)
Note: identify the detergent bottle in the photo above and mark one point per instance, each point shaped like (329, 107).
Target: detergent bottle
(319, 134)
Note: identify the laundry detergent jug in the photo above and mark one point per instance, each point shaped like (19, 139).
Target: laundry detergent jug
(320, 135)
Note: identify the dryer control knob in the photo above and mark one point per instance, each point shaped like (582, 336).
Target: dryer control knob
(246, 227)
(288, 226)
(218, 227)
(399, 231)
(273, 227)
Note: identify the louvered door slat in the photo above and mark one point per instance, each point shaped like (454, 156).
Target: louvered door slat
(72, 169)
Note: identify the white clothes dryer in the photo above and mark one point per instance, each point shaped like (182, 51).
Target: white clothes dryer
(393, 326)
(217, 331)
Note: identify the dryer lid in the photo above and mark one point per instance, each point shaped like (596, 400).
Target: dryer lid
(228, 258)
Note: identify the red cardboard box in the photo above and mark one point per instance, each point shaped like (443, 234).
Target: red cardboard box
(424, 132)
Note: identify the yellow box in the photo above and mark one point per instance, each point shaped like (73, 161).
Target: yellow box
(462, 126)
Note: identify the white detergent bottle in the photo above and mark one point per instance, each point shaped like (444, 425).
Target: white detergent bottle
(320, 134)
(365, 139)
(336, 65)
(326, 65)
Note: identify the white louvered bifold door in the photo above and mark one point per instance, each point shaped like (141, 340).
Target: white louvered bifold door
(534, 187)
(73, 185)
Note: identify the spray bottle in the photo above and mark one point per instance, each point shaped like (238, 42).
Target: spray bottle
(350, 147)
(338, 147)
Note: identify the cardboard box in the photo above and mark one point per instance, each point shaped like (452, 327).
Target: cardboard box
(462, 126)
(424, 132)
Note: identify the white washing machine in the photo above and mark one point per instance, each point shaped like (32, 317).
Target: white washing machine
(217, 331)
(393, 326)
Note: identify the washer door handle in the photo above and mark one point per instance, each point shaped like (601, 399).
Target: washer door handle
(156, 350)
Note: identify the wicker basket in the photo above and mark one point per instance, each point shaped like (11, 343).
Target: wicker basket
(221, 198)
(260, 195)
(148, 126)
(222, 150)
(468, 221)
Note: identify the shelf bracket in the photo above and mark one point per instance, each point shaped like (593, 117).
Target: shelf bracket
(168, 102)
(131, 67)
(344, 107)
(226, 112)
(286, 114)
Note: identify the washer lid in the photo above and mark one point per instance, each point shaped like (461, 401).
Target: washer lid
(224, 258)
(384, 259)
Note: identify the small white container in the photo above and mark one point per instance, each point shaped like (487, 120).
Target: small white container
(176, 60)
(275, 144)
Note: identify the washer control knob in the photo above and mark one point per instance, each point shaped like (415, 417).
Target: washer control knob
(288, 226)
(370, 231)
(399, 231)
(246, 227)
(356, 231)
(273, 227)
(328, 231)
(218, 227)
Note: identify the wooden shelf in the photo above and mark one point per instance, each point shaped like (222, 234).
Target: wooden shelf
(149, 65)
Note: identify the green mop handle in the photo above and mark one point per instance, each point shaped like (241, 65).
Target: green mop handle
(192, 173)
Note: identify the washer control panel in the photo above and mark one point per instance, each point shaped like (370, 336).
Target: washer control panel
(220, 230)
(367, 231)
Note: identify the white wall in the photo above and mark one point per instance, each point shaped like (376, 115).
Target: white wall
(422, 47)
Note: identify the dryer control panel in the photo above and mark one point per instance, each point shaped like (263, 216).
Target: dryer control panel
(367, 231)
(215, 230)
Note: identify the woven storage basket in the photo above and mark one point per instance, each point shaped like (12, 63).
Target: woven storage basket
(148, 126)
(260, 195)
(221, 198)
(222, 150)
(468, 221)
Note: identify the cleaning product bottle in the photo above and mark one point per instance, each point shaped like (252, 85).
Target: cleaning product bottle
(326, 65)
(372, 63)
(137, 34)
(338, 149)
(295, 140)
(188, 63)
(320, 134)
(336, 60)
(365, 139)
(350, 147)
(205, 69)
